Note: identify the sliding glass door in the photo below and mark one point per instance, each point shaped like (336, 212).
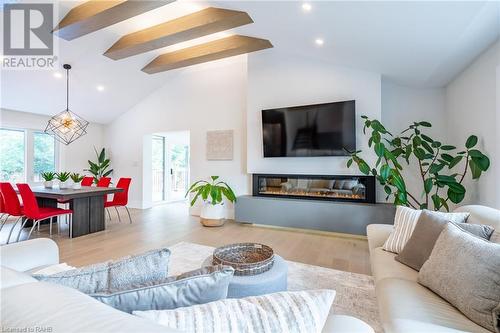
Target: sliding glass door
(170, 173)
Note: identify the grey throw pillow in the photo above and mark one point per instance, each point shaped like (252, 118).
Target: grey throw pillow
(151, 265)
(465, 270)
(200, 286)
(427, 230)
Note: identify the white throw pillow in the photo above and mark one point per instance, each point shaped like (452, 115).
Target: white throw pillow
(404, 223)
(300, 311)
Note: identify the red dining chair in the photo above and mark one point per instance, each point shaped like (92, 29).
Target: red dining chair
(37, 214)
(12, 206)
(104, 182)
(87, 181)
(120, 199)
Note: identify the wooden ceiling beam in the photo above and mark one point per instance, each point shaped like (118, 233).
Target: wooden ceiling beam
(195, 25)
(98, 14)
(217, 49)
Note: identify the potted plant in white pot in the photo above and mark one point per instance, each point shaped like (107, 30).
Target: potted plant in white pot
(76, 178)
(63, 178)
(212, 193)
(48, 179)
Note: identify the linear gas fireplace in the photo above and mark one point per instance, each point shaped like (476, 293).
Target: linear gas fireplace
(317, 187)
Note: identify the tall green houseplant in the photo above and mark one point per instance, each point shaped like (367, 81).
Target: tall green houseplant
(442, 169)
(99, 168)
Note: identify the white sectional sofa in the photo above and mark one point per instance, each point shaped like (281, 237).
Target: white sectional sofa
(45, 307)
(406, 306)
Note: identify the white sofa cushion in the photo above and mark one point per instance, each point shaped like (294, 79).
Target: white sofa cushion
(30, 254)
(65, 310)
(403, 304)
(384, 266)
(10, 278)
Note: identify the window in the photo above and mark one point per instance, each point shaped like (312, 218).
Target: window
(12, 155)
(26, 154)
(44, 155)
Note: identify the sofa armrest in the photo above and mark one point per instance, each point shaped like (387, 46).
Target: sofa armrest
(378, 234)
(29, 254)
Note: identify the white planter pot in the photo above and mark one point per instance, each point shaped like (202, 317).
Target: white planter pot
(48, 184)
(212, 215)
(63, 185)
(77, 186)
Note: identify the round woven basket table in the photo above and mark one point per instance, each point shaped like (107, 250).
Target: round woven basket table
(245, 258)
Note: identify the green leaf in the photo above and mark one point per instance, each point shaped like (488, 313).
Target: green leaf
(214, 178)
(419, 153)
(363, 167)
(349, 163)
(436, 200)
(475, 169)
(417, 141)
(475, 153)
(435, 168)
(455, 161)
(436, 144)
(425, 124)
(448, 147)
(427, 147)
(446, 179)
(379, 149)
(385, 171)
(456, 187)
(471, 141)
(447, 157)
(426, 138)
(398, 181)
(101, 155)
(455, 197)
(483, 163)
(428, 185)
(387, 190)
(377, 126)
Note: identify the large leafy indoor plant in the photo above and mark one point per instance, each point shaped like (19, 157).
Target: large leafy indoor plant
(212, 193)
(99, 168)
(442, 167)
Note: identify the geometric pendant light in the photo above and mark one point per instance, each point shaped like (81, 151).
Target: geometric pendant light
(67, 126)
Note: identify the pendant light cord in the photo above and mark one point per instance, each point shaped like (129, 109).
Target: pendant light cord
(67, 89)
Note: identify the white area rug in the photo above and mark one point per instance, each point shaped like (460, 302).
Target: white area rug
(355, 292)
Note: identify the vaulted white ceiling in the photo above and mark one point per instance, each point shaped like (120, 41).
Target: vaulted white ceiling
(423, 44)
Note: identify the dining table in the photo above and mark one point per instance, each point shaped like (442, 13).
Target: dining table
(87, 204)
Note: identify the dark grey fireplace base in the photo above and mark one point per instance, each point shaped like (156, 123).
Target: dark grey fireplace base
(343, 217)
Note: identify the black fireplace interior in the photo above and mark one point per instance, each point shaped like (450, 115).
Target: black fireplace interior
(318, 187)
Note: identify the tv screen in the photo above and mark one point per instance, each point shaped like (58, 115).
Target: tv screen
(311, 130)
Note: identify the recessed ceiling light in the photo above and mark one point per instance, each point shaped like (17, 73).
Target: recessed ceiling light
(319, 41)
(100, 88)
(57, 75)
(306, 7)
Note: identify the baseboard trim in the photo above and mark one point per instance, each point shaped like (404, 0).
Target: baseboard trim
(308, 231)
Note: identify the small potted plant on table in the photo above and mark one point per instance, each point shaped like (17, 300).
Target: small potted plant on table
(212, 193)
(76, 178)
(63, 179)
(48, 178)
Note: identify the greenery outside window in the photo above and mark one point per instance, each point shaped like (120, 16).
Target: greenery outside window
(25, 154)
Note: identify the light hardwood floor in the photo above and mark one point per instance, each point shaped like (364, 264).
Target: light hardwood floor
(168, 224)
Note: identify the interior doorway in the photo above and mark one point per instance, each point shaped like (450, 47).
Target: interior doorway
(170, 166)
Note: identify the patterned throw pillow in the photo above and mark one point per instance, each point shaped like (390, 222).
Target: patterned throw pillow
(151, 265)
(404, 223)
(292, 312)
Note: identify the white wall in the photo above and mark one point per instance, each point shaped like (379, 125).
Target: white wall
(200, 98)
(277, 80)
(73, 157)
(472, 108)
(401, 106)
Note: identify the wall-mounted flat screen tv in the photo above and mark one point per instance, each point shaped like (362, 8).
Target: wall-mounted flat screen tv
(310, 130)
